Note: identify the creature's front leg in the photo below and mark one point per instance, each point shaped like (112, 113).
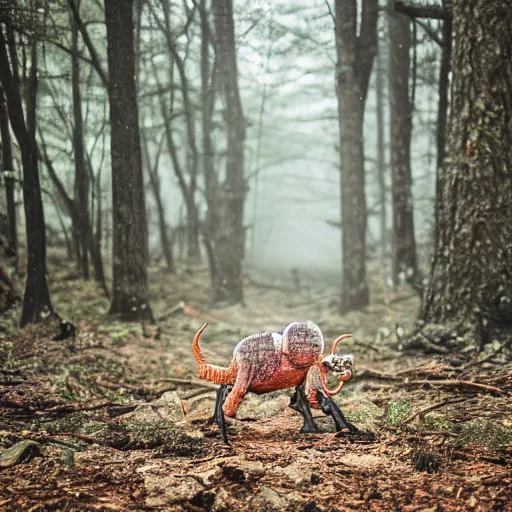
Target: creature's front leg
(329, 407)
(299, 403)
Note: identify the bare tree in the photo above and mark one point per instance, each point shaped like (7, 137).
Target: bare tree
(36, 302)
(81, 176)
(381, 156)
(8, 175)
(130, 251)
(401, 109)
(471, 279)
(229, 234)
(355, 51)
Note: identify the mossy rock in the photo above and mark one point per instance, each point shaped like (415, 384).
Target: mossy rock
(363, 413)
(486, 433)
(438, 422)
(19, 452)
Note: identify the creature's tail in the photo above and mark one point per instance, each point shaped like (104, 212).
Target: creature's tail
(211, 372)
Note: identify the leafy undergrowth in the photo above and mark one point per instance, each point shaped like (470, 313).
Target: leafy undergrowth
(118, 418)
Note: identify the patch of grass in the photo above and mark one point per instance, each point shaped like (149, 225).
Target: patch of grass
(438, 422)
(397, 411)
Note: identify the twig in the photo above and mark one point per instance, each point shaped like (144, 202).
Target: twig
(369, 372)
(477, 362)
(189, 382)
(432, 407)
(434, 433)
(455, 383)
(70, 408)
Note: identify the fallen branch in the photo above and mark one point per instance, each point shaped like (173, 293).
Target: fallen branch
(455, 383)
(189, 382)
(432, 407)
(70, 408)
(477, 362)
(364, 373)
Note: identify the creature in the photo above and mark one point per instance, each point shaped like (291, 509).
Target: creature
(271, 361)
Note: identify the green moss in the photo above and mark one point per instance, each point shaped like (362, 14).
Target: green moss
(486, 433)
(397, 411)
(439, 422)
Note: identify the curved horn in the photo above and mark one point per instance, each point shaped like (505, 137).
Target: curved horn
(338, 340)
(323, 379)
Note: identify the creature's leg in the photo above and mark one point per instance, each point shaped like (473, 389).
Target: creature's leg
(299, 403)
(218, 416)
(330, 408)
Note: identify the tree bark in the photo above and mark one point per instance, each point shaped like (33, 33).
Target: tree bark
(381, 160)
(472, 271)
(404, 265)
(211, 183)
(81, 177)
(130, 251)
(230, 233)
(36, 301)
(9, 179)
(442, 112)
(355, 60)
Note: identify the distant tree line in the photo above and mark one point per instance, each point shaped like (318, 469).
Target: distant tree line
(167, 82)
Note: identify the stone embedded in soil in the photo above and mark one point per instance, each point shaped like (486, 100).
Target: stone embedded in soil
(167, 408)
(167, 490)
(268, 499)
(255, 407)
(18, 453)
(295, 472)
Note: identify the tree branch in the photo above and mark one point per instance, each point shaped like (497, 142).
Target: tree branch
(422, 10)
(88, 42)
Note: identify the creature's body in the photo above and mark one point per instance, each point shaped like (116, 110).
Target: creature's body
(271, 361)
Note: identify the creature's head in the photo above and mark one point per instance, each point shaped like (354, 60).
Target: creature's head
(340, 365)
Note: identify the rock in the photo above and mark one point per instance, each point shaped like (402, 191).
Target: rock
(295, 472)
(24, 450)
(484, 432)
(268, 499)
(242, 470)
(358, 461)
(255, 407)
(162, 423)
(167, 408)
(166, 490)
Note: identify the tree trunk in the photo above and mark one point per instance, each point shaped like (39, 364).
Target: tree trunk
(472, 271)
(81, 177)
(207, 106)
(8, 175)
(442, 112)
(230, 234)
(130, 251)
(355, 59)
(404, 264)
(36, 302)
(381, 160)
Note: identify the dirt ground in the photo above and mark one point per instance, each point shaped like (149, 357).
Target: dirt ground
(116, 418)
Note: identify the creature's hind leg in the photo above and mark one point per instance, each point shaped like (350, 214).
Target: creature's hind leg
(330, 408)
(218, 416)
(228, 399)
(299, 403)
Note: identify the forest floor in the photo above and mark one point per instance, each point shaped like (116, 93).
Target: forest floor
(115, 419)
